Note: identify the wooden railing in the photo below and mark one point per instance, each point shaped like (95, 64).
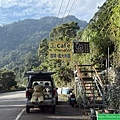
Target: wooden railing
(80, 75)
(101, 89)
(99, 79)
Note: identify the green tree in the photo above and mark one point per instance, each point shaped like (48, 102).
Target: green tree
(7, 80)
(65, 30)
(63, 69)
(43, 50)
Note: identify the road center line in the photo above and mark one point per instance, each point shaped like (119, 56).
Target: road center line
(19, 115)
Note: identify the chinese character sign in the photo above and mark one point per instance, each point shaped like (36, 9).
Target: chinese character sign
(60, 55)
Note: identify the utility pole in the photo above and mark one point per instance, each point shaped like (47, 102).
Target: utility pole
(108, 57)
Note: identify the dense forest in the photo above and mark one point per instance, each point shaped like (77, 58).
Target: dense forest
(103, 31)
(25, 44)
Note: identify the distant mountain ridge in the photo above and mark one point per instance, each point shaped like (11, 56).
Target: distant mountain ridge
(22, 38)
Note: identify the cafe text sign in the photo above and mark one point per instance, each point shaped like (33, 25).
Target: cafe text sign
(60, 50)
(60, 45)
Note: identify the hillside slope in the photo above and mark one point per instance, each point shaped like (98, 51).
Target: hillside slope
(20, 40)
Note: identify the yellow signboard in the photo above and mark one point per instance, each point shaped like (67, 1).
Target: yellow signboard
(60, 55)
(60, 45)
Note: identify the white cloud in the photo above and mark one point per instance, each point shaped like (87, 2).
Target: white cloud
(82, 9)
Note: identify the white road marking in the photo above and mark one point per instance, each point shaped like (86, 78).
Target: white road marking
(20, 114)
(12, 105)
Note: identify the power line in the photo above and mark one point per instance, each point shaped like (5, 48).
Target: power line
(71, 6)
(60, 8)
(66, 8)
(75, 4)
(65, 11)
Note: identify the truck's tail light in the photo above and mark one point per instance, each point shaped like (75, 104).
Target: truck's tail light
(54, 92)
(27, 92)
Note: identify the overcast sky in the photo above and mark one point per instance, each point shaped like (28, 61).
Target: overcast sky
(14, 10)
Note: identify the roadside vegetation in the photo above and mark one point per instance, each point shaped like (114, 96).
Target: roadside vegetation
(7, 80)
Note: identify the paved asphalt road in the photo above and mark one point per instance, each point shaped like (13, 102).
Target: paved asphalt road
(12, 107)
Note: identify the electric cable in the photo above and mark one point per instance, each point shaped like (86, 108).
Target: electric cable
(60, 8)
(73, 8)
(65, 11)
(66, 8)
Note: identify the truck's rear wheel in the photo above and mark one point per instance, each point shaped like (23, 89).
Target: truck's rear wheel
(56, 101)
(72, 105)
(53, 109)
(27, 109)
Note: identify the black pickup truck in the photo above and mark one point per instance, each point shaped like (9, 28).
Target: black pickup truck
(49, 100)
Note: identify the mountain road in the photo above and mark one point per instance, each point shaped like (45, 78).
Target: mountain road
(12, 107)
